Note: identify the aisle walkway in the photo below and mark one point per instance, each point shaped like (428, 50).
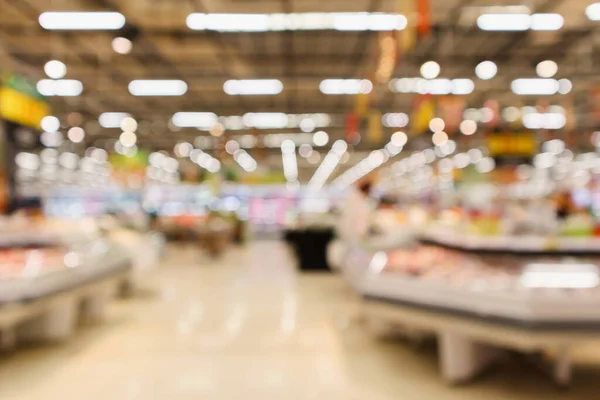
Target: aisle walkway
(247, 327)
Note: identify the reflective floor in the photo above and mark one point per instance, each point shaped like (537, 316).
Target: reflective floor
(249, 327)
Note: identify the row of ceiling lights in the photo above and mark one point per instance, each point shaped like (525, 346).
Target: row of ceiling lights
(429, 84)
(349, 21)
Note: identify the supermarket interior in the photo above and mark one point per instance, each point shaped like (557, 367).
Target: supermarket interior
(299, 199)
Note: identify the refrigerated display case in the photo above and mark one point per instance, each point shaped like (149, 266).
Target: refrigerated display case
(476, 304)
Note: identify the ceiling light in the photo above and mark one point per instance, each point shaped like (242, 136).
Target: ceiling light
(266, 120)
(122, 45)
(307, 125)
(305, 150)
(128, 139)
(61, 87)
(55, 69)
(485, 165)
(229, 22)
(346, 86)
(546, 69)
(547, 22)
(204, 120)
(439, 138)
(51, 139)
(76, 134)
(534, 86)
(50, 124)
(437, 125)
(183, 149)
(544, 121)
(511, 114)
(290, 164)
(217, 130)
(564, 86)
(486, 70)
(158, 87)
(593, 12)
(232, 146)
(81, 20)
(253, 87)
(395, 120)
(357, 21)
(504, 22)
(129, 124)
(366, 21)
(328, 165)
(462, 86)
(468, 127)
(430, 70)
(320, 138)
(399, 139)
(112, 119)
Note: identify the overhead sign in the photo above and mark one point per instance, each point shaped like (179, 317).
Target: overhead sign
(20, 102)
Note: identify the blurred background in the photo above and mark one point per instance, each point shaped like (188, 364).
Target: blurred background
(300, 199)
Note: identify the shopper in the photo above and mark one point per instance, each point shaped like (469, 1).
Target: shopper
(356, 212)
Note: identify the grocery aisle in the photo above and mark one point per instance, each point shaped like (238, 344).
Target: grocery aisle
(247, 327)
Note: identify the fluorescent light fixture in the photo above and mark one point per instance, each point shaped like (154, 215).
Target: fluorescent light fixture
(504, 22)
(229, 22)
(346, 86)
(112, 119)
(462, 86)
(290, 163)
(357, 21)
(266, 120)
(547, 22)
(439, 86)
(84, 21)
(253, 87)
(520, 22)
(60, 87)
(203, 120)
(395, 120)
(158, 87)
(366, 22)
(245, 161)
(374, 160)
(535, 86)
(593, 12)
(544, 121)
(328, 165)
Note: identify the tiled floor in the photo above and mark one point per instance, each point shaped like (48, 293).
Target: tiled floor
(249, 327)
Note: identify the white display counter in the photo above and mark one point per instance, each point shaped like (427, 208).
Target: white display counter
(476, 306)
(44, 302)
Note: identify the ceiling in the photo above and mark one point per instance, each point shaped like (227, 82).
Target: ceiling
(167, 49)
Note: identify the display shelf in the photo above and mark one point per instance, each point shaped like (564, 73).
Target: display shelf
(45, 291)
(481, 288)
(87, 263)
(521, 245)
(477, 305)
